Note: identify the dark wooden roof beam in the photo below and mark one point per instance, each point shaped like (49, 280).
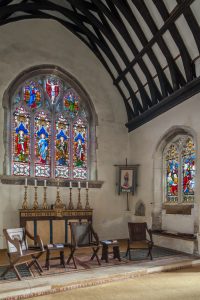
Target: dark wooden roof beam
(177, 12)
(186, 59)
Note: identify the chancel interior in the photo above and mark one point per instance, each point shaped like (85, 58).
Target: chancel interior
(99, 118)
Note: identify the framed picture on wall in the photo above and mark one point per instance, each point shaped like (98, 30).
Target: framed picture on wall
(127, 179)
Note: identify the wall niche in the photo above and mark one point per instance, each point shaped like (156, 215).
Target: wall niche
(140, 209)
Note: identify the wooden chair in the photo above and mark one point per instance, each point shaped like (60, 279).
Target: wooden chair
(20, 253)
(138, 238)
(83, 236)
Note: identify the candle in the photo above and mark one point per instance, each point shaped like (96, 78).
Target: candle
(45, 183)
(87, 185)
(26, 181)
(70, 185)
(79, 185)
(35, 182)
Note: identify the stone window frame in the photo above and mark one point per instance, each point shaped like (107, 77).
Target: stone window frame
(159, 183)
(179, 141)
(7, 178)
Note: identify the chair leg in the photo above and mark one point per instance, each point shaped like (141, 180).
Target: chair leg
(150, 254)
(35, 263)
(71, 256)
(12, 266)
(95, 254)
(17, 273)
(128, 253)
(116, 253)
(62, 258)
(7, 270)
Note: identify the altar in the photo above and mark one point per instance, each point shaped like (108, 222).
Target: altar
(52, 224)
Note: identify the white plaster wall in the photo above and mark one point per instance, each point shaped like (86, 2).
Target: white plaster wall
(142, 147)
(28, 43)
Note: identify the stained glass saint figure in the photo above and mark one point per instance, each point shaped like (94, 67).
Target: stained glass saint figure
(32, 95)
(21, 142)
(79, 147)
(43, 144)
(52, 89)
(172, 166)
(61, 148)
(71, 103)
(188, 169)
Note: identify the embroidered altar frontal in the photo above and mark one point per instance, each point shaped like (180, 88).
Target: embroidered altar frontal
(52, 225)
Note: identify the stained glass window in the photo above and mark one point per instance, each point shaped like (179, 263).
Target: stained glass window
(42, 145)
(180, 170)
(21, 142)
(188, 171)
(79, 150)
(49, 130)
(172, 166)
(62, 148)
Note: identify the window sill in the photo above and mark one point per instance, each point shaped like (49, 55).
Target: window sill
(177, 208)
(178, 235)
(17, 180)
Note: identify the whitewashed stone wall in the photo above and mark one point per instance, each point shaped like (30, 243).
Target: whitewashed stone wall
(143, 143)
(35, 42)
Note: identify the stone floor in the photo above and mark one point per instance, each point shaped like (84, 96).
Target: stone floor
(62, 282)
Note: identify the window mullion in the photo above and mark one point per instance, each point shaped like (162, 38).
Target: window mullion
(52, 148)
(180, 178)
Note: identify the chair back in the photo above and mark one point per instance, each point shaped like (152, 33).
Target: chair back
(11, 235)
(80, 233)
(137, 231)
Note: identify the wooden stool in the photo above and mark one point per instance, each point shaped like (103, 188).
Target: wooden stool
(115, 249)
(52, 248)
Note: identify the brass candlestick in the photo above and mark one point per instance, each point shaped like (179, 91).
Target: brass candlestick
(58, 203)
(79, 205)
(35, 203)
(44, 204)
(71, 205)
(25, 202)
(87, 205)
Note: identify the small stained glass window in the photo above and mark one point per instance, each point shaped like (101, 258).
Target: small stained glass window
(188, 170)
(180, 169)
(172, 166)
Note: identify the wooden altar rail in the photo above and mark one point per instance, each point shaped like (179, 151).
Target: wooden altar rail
(52, 224)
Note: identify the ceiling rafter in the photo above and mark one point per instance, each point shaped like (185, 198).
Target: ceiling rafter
(102, 26)
(164, 82)
(135, 102)
(130, 112)
(133, 21)
(186, 59)
(107, 31)
(157, 36)
(192, 23)
(49, 6)
(155, 93)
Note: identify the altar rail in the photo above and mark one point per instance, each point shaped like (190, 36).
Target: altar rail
(52, 224)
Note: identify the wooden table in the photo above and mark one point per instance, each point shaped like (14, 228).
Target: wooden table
(55, 248)
(114, 245)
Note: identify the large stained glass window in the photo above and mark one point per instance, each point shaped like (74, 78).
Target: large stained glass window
(49, 130)
(180, 170)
